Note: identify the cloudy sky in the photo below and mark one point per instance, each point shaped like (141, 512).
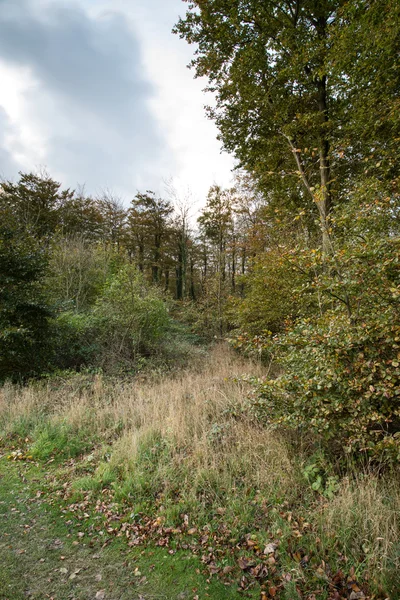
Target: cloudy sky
(98, 93)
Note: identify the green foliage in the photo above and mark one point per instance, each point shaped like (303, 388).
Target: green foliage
(77, 272)
(341, 368)
(318, 476)
(366, 46)
(24, 313)
(131, 317)
(148, 220)
(75, 341)
(35, 201)
(269, 295)
(267, 64)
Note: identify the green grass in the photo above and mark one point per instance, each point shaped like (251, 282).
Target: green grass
(40, 549)
(58, 440)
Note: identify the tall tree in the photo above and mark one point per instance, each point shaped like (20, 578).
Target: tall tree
(367, 49)
(35, 200)
(114, 217)
(266, 61)
(81, 216)
(217, 229)
(148, 220)
(24, 325)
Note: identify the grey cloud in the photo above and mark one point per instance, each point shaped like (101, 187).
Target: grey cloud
(92, 95)
(7, 163)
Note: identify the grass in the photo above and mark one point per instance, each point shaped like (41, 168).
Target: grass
(178, 460)
(42, 555)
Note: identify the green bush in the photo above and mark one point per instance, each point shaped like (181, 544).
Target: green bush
(77, 272)
(75, 341)
(130, 316)
(341, 368)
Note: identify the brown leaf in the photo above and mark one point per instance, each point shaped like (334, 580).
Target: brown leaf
(259, 572)
(212, 567)
(101, 594)
(227, 570)
(270, 548)
(272, 591)
(245, 563)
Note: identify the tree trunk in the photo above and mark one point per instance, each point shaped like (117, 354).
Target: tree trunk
(324, 201)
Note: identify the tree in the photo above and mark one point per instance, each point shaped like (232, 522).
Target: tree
(148, 220)
(36, 201)
(81, 216)
(181, 242)
(114, 216)
(217, 229)
(367, 49)
(267, 64)
(24, 315)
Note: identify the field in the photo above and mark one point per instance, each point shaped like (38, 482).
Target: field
(168, 487)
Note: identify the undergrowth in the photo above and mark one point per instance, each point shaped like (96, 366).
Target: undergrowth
(186, 453)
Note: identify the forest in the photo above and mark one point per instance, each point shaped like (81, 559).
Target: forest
(231, 379)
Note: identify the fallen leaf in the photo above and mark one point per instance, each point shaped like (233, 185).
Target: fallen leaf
(245, 563)
(270, 548)
(100, 595)
(227, 570)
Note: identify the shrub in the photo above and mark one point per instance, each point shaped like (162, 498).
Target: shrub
(75, 341)
(131, 317)
(341, 369)
(77, 272)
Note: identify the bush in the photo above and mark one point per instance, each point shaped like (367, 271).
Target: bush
(341, 369)
(77, 272)
(130, 316)
(75, 341)
(270, 297)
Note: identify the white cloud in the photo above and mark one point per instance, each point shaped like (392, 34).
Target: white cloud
(98, 91)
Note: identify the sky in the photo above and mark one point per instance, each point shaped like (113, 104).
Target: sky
(98, 93)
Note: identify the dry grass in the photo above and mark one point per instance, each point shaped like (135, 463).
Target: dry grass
(208, 440)
(365, 516)
(200, 411)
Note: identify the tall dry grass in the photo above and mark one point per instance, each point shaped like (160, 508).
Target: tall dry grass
(200, 411)
(209, 441)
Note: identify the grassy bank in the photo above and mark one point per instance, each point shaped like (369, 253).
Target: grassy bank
(178, 468)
